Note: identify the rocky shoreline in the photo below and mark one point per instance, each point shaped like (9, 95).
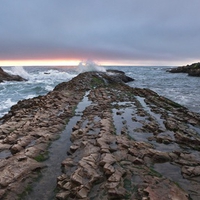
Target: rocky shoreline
(191, 70)
(126, 143)
(8, 77)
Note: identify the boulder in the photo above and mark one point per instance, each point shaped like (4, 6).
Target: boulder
(119, 75)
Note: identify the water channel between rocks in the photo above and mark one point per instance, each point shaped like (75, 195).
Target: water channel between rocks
(44, 188)
(123, 117)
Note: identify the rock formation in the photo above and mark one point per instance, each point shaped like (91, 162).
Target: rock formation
(125, 143)
(192, 70)
(8, 77)
(119, 76)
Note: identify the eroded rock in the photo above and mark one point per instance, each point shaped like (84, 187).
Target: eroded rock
(102, 163)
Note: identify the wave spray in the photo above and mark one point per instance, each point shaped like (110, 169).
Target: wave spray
(19, 70)
(90, 66)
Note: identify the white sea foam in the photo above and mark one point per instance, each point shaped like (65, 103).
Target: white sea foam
(90, 66)
(50, 76)
(6, 104)
(19, 70)
(49, 88)
(30, 96)
(40, 81)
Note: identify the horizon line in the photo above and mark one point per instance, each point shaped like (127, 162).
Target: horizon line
(71, 62)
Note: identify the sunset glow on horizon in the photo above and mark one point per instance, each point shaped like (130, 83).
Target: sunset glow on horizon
(64, 34)
(65, 62)
(4, 63)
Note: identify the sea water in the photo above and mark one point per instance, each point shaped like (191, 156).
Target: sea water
(180, 87)
(40, 81)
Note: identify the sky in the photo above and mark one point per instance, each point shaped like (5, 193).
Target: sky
(109, 32)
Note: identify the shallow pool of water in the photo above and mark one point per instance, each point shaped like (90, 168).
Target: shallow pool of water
(44, 188)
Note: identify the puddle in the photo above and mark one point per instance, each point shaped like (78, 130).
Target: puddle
(32, 143)
(195, 128)
(136, 180)
(44, 188)
(123, 117)
(156, 116)
(141, 136)
(166, 147)
(5, 154)
(173, 172)
(169, 146)
(169, 134)
(94, 131)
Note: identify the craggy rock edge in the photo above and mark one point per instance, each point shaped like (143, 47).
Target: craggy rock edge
(124, 135)
(8, 77)
(191, 70)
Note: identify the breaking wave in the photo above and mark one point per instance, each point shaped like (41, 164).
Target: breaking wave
(40, 81)
(19, 70)
(90, 66)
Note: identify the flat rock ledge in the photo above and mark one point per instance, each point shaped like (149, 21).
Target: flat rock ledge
(129, 143)
(8, 77)
(191, 70)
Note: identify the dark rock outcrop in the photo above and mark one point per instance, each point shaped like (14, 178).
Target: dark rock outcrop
(8, 77)
(92, 79)
(119, 75)
(192, 70)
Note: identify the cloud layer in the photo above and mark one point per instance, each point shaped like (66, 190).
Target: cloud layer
(115, 30)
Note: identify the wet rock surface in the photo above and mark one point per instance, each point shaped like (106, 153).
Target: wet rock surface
(127, 143)
(191, 70)
(8, 77)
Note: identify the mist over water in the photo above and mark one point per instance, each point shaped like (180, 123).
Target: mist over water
(180, 88)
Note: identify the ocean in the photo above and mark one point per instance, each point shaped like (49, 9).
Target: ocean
(180, 87)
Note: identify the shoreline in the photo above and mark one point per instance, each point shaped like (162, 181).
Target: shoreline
(103, 160)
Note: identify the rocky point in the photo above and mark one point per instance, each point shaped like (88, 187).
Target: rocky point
(191, 70)
(128, 143)
(4, 76)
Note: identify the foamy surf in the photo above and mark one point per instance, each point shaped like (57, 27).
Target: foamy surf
(40, 81)
(5, 104)
(18, 70)
(177, 87)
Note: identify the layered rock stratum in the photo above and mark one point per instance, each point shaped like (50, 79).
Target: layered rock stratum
(4, 76)
(95, 137)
